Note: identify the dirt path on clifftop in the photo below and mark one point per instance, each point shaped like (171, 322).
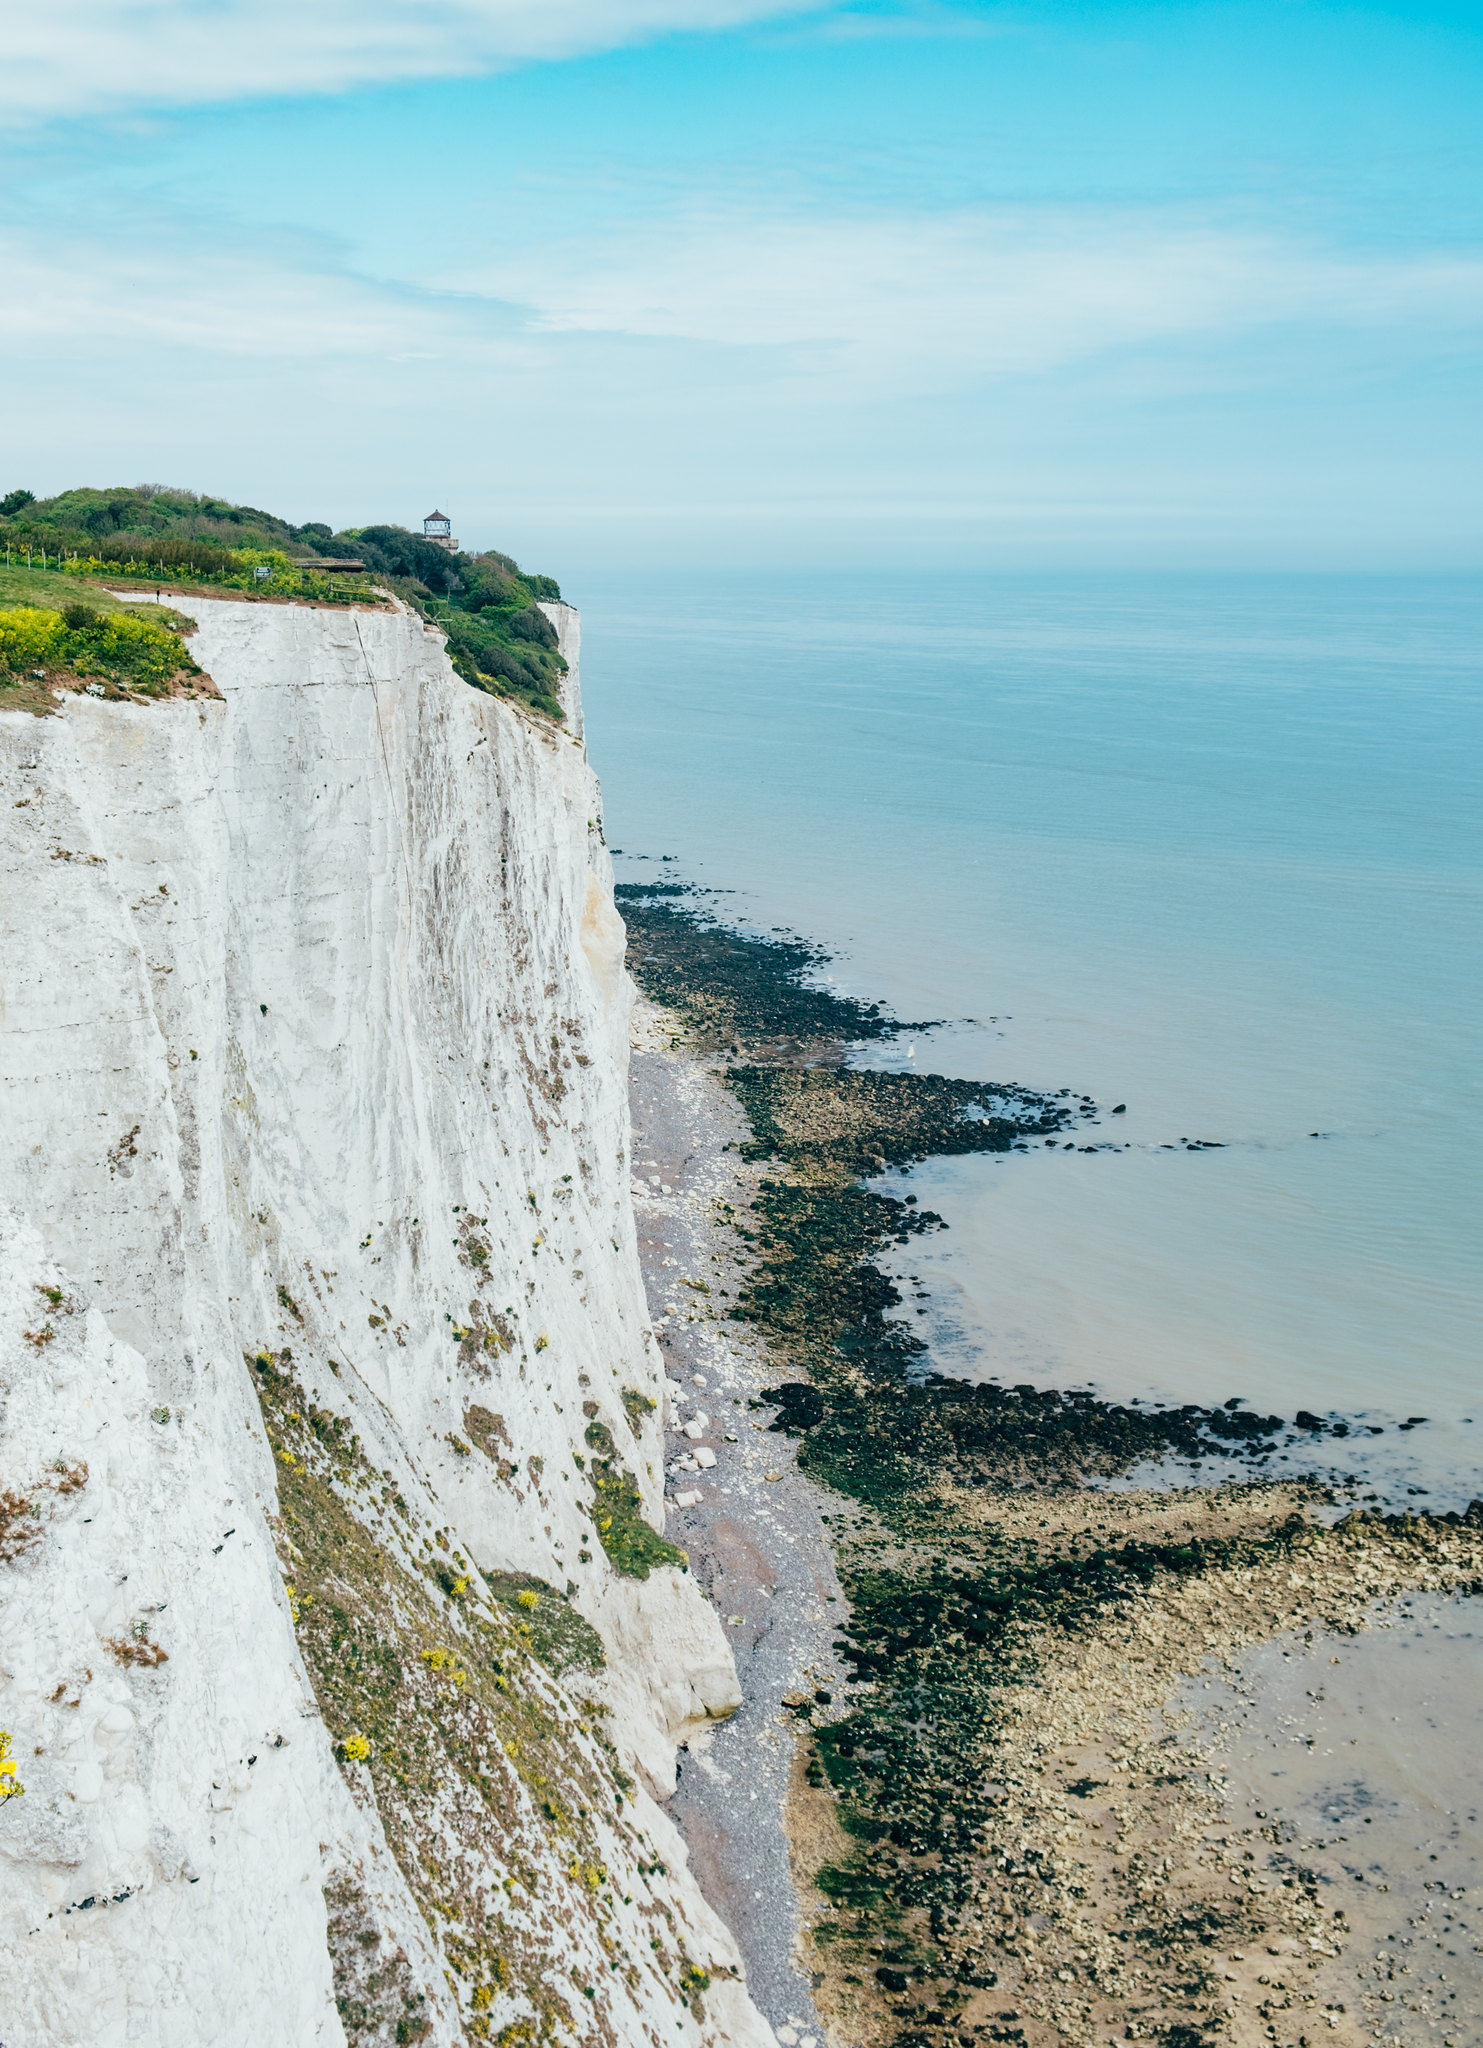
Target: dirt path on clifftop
(754, 1536)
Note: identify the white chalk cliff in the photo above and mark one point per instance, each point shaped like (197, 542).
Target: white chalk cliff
(324, 1359)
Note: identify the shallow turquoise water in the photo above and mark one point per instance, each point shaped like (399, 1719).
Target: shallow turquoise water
(1210, 847)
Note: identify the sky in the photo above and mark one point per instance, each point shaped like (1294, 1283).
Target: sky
(745, 285)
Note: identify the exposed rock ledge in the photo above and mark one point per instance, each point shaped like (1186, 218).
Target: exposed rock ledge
(314, 1044)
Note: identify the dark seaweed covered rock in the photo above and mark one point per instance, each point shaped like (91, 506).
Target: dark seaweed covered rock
(732, 986)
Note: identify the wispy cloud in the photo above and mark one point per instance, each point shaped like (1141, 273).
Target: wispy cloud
(170, 292)
(74, 57)
(932, 301)
(856, 308)
(915, 21)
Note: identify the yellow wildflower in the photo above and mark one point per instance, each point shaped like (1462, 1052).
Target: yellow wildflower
(10, 1785)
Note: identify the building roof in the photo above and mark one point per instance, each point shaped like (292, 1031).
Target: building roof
(437, 515)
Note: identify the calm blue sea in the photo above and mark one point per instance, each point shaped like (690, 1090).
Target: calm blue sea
(1212, 847)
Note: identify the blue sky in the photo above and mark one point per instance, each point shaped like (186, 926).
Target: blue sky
(706, 282)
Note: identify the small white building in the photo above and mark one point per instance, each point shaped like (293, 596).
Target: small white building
(438, 528)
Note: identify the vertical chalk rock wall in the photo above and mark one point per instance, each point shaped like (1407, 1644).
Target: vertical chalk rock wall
(319, 1303)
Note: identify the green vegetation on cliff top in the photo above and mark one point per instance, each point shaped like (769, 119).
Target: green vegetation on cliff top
(79, 637)
(498, 638)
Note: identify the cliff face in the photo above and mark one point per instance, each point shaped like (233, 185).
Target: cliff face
(338, 1657)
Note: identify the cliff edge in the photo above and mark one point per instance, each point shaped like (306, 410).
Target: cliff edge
(340, 1655)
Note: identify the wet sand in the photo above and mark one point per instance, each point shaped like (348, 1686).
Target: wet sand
(1361, 1758)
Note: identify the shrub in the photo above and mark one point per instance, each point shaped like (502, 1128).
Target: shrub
(532, 624)
(137, 1652)
(554, 1629)
(29, 638)
(488, 583)
(20, 1524)
(397, 552)
(485, 653)
(124, 647)
(499, 639)
(91, 643)
(10, 1785)
(163, 551)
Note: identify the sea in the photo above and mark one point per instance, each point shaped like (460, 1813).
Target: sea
(1207, 847)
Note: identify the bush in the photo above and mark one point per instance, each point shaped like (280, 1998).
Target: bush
(29, 638)
(488, 583)
(483, 655)
(116, 645)
(400, 553)
(111, 644)
(10, 1785)
(162, 551)
(532, 624)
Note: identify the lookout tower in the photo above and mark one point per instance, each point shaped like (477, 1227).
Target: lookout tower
(438, 528)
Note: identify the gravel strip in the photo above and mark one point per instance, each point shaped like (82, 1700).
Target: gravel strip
(754, 1537)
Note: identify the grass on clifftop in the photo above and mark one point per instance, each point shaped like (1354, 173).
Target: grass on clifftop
(66, 635)
(499, 640)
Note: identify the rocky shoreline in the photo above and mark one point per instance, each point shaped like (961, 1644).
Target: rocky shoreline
(750, 1523)
(1001, 1825)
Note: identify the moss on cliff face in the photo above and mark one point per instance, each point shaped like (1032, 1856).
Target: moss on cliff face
(497, 1791)
(554, 1629)
(634, 1546)
(375, 1996)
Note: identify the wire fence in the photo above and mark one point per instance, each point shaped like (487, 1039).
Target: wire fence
(263, 577)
